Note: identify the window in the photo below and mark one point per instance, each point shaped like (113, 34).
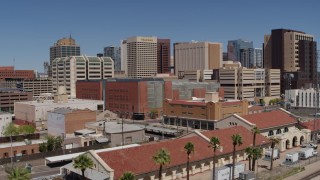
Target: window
(278, 131)
(286, 129)
(270, 133)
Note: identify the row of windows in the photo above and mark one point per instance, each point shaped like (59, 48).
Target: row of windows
(279, 131)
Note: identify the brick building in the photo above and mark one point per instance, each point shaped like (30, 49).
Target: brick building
(9, 73)
(142, 97)
(199, 114)
(62, 121)
(10, 96)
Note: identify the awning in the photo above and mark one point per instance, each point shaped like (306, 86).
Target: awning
(89, 173)
(102, 140)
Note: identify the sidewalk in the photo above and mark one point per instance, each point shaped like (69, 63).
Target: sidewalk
(309, 169)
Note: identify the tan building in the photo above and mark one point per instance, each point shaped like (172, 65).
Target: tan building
(197, 56)
(242, 83)
(280, 124)
(141, 56)
(20, 148)
(37, 86)
(63, 121)
(8, 97)
(200, 114)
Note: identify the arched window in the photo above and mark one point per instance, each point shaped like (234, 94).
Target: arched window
(270, 133)
(286, 129)
(278, 131)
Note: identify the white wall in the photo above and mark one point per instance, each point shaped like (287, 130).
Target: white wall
(56, 124)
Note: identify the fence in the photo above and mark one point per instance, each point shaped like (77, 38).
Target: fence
(43, 155)
(282, 170)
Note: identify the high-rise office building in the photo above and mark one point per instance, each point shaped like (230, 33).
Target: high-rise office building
(64, 47)
(234, 47)
(115, 54)
(67, 71)
(197, 56)
(251, 57)
(163, 55)
(294, 53)
(141, 56)
(124, 54)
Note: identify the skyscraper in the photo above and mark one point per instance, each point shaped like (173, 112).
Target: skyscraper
(163, 55)
(141, 56)
(293, 52)
(115, 54)
(197, 56)
(234, 47)
(64, 47)
(251, 57)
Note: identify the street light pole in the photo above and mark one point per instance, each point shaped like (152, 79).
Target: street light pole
(122, 130)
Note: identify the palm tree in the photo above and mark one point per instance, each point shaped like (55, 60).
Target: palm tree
(17, 173)
(236, 140)
(189, 147)
(82, 162)
(214, 143)
(274, 141)
(249, 151)
(256, 154)
(254, 131)
(127, 176)
(162, 157)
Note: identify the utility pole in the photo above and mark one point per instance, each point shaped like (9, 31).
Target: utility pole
(122, 130)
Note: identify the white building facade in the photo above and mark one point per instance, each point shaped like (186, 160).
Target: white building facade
(5, 119)
(66, 71)
(307, 98)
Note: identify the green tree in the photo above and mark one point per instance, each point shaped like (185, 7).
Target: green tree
(249, 152)
(236, 140)
(162, 157)
(256, 154)
(189, 147)
(127, 176)
(26, 130)
(83, 162)
(274, 141)
(214, 143)
(17, 173)
(10, 130)
(53, 143)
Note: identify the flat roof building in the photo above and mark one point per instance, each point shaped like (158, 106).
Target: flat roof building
(36, 112)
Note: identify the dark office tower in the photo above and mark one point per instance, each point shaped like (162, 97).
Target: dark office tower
(163, 55)
(64, 47)
(294, 53)
(115, 54)
(235, 46)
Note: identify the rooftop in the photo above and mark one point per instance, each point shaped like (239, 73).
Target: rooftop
(114, 127)
(70, 102)
(127, 159)
(22, 143)
(66, 110)
(271, 119)
(312, 125)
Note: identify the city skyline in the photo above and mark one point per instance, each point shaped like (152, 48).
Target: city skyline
(30, 28)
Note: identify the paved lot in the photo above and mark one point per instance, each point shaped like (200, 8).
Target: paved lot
(264, 173)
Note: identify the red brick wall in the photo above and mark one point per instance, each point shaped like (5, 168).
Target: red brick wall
(175, 94)
(89, 90)
(221, 92)
(19, 74)
(76, 120)
(5, 152)
(168, 89)
(199, 92)
(122, 96)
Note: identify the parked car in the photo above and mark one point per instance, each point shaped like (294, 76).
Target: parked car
(309, 145)
(315, 153)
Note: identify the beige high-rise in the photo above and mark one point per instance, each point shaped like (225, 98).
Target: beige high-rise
(197, 56)
(141, 56)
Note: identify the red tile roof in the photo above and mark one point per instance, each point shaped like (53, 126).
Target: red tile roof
(139, 159)
(270, 119)
(231, 103)
(256, 108)
(310, 125)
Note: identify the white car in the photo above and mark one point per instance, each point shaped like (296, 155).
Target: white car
(311, 145)
(315, 153)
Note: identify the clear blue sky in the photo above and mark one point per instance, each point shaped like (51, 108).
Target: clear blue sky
(29, 28)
